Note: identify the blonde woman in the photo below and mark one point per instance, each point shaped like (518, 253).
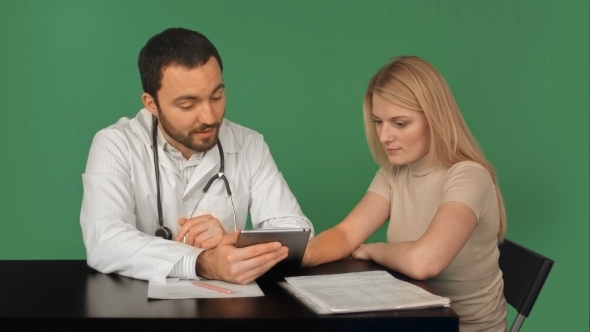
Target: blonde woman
(436, 188)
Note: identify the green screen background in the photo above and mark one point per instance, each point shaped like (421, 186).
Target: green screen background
(296, 72)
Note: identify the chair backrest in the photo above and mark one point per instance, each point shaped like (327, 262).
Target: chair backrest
(524, 273)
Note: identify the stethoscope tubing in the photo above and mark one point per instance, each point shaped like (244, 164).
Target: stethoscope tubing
(157, 169)
(219, 175)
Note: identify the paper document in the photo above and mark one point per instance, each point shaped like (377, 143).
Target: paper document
(184, 289)
(360, 291)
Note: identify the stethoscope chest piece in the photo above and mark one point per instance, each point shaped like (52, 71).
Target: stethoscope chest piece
(164, 232)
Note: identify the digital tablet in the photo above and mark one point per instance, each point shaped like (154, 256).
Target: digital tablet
(293, 238)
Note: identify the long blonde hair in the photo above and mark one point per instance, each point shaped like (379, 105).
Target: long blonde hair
(414, 84)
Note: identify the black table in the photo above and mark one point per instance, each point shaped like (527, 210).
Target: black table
(68, 295)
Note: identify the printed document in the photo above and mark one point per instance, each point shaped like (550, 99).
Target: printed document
(360, 291)
(184, 289)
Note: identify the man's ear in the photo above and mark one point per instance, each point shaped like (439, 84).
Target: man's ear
(149, 103)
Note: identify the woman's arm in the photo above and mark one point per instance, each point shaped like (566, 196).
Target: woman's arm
(434, 251)
(339, 241)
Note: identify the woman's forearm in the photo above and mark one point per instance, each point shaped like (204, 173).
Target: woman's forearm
(328, 246)
(433, 252)
(339, 241)
(404, 257)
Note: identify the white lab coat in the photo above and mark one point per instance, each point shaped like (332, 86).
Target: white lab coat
(119, 213)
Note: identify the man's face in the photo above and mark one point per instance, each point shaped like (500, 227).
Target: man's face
(191, 106)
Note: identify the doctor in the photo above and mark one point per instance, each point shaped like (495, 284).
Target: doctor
(134, 189)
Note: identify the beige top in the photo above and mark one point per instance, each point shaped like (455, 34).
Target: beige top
(473, 281)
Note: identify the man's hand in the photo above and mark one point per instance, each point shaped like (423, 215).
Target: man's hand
(202, 231)
(239, 265)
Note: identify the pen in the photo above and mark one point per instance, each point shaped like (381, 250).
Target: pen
(212, 287)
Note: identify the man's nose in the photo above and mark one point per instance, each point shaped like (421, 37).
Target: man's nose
(206, 113)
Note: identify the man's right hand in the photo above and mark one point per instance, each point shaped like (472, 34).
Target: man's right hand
(239, 265)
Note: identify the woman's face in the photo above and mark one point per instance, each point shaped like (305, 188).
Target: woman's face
(405, 134)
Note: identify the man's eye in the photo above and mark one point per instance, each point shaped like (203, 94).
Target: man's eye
(186, 107)
(216, 98)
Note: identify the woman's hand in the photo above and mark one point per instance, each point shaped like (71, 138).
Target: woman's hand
(362, 252)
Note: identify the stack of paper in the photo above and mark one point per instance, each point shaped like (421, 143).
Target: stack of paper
(360, 291)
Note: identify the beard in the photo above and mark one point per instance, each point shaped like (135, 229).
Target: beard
(198, 145)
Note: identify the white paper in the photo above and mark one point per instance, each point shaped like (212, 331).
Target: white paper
(317, 308)
(363, 291)
(184, 289)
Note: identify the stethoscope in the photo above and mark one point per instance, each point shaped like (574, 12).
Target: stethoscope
(163, 231)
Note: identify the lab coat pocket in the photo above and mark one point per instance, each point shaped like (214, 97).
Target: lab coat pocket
(220, 207)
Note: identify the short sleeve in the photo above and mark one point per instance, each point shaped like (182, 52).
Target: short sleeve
(469, 183)
(381, 185)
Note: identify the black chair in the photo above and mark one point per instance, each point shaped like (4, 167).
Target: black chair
(524, 273)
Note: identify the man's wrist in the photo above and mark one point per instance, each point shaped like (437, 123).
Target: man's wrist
(203, 266)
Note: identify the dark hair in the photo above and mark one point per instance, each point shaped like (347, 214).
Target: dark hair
(174, 46)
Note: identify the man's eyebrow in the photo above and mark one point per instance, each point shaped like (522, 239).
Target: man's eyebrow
(219, 87)
(184, 98)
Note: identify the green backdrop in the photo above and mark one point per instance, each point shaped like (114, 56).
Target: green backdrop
(296, 72)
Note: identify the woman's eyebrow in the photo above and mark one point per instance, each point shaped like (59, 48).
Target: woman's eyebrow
(400, 117)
